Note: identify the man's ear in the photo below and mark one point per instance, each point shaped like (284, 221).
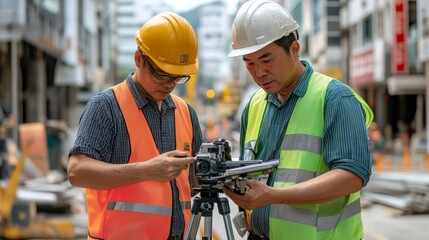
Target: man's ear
(294, 48)
(138, 58)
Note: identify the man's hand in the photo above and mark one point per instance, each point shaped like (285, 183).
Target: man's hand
(256, 196)
(326, 187)
(167, 166)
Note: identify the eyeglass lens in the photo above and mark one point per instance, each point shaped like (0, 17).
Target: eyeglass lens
(163, 78)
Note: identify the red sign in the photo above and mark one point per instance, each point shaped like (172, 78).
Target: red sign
(399, 44)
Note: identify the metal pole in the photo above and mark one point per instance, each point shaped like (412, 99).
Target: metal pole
(14, 86)
(427, 105)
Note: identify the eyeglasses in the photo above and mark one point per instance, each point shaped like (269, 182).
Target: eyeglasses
(164, 78)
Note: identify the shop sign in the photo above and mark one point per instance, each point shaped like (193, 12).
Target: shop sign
(400, 29)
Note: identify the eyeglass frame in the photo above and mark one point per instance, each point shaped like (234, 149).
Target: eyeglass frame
(178, 80)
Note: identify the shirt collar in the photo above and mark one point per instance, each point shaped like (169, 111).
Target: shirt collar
(302, 85)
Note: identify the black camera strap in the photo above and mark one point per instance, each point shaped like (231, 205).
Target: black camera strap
(272, 175)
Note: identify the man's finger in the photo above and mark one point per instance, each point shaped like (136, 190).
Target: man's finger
(184, 161)
(176, 153)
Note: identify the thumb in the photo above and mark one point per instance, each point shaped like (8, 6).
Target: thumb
(251, 182)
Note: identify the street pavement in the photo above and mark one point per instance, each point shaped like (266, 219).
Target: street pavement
(386, 223)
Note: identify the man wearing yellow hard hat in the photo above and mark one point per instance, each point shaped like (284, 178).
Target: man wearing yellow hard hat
(136, 140)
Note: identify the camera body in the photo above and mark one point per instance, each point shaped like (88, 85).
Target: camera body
(212, 159)
(214, 167)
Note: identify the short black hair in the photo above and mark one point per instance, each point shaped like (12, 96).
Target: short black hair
(286, 41)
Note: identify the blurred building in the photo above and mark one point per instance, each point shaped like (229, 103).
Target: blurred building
(212, 22)
(213, 34)
(380, 41)
(423, 55)
(320, 35)
(373, 46)
(50, 52)
(130, 15)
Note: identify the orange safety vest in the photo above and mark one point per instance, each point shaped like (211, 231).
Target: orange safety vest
(142, 210)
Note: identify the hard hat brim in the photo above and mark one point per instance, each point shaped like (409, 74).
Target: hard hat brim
(186, 69)
(248, 50)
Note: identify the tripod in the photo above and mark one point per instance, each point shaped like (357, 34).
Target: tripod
(203, 206)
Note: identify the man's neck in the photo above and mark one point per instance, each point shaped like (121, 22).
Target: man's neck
(147, 95)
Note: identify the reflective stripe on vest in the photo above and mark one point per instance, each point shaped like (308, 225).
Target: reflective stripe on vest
(141, 210)
(145, 208)
(303, 142)
(301, 159)
(302, 216)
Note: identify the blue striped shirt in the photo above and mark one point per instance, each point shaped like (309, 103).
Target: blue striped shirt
(345, 137)
(103, 135)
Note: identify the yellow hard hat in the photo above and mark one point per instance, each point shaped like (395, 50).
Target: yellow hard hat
(170, 41)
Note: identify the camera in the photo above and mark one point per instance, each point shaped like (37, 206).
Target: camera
(214, 167)
(212, 159)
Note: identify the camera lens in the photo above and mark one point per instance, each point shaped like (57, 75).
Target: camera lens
(203, 166)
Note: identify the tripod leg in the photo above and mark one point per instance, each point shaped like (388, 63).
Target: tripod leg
(228, 227)
(191, 232)
(224, 210)
(208, 221)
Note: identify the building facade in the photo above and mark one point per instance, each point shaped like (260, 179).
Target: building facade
(50, 52)
(130, 15)
(380, 41)
(378, 48)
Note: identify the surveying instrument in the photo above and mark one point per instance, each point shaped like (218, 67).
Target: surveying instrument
(213, 169)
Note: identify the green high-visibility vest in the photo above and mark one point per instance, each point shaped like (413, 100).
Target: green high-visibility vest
(301, 159)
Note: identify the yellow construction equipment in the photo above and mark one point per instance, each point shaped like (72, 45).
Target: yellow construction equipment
(19, 220)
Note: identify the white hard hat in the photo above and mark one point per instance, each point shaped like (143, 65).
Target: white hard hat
(259, 23)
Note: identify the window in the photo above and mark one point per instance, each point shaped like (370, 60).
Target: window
(317, 10)
(367, 30)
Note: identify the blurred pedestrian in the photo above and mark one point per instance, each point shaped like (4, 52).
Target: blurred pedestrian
(136, 140)
(211, 131)
(315, 125)
(375, 137)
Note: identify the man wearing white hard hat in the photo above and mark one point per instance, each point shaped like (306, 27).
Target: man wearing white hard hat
(315, 125)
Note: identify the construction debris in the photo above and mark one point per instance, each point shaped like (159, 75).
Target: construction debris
(407, 191)
(36, 199)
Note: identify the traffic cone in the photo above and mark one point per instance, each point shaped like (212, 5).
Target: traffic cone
(378, 161)
(389, 163)
(407, 160)
(427, 162)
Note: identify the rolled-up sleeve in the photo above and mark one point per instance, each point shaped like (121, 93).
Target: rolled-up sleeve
(346, 143)
(96, 130)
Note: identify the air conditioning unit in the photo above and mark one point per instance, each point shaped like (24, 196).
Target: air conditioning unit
(406, 84)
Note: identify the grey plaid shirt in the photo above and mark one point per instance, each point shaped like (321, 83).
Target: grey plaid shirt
(103, 135)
